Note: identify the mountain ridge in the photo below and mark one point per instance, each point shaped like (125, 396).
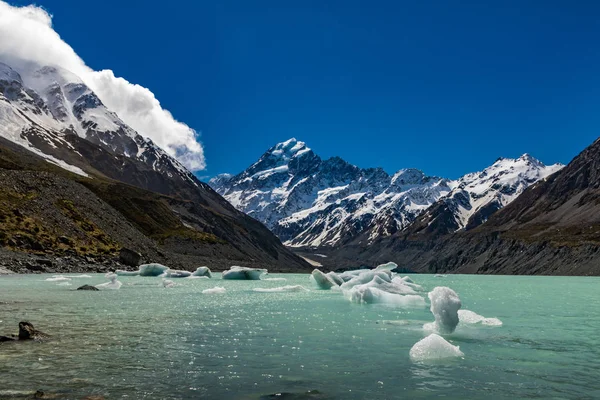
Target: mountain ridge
(314, 203)
(64, 123)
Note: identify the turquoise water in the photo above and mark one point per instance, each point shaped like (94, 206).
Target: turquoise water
(147, 342)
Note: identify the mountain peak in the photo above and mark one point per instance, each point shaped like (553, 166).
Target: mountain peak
(9, 74)
(290, 148)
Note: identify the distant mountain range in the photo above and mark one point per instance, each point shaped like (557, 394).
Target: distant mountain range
(77, 185)
(552, 228)
(314, 203)
(49, 117)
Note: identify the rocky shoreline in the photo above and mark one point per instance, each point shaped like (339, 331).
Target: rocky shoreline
(26, 263)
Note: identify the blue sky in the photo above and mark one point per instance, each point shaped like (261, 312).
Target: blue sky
(444, 86)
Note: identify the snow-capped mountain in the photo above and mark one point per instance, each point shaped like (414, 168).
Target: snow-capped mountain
(310, 202)
(51, 113)
(476, 196)
(47, 110)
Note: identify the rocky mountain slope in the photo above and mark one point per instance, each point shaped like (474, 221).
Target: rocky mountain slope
(48, 118)
(313, 203)
(552, 228)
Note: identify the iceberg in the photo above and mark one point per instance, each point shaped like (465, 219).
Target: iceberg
(470, 317)
(202, 271)
(445, 304)
(173, 273)
(372, 295)
(215, 290)
(244, 273)
(282, 289)
(434, 347)
(274, 279)
(335, 278)
(152, 269)
(167, 284)
(79, 276)
(113, 283)
(386, 267)
(121, 272)
(322, 280)
(367, 276)
(378, 287)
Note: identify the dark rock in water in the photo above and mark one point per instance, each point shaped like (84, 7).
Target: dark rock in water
(88, 287)
(130, 257)
(28, 332)
(311, 394)
(42, 395)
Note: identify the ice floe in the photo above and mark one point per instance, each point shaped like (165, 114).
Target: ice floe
(152, 269)
(202, 271)
(58, 278)
(470, 317)
(282, 289)
(434, 347)
(167, 283)
(173, 273)
(112, 283)
(121, 272)
(445, 304)
(215, 290)
(244, 273)
(323, 281)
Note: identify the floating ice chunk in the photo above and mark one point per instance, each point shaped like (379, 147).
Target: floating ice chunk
(113, 283)
(167, 284)
(407, 282)
(373, 295)
(152, 269)
(282, 289)
(215, 290)
(202, 271)
(58, 278)
(445, 304)
(348, 275)
(322, 280)
(274, 279)
(440, 276)
(386, 267)
(121, 272)
(434, 347)
(79, 276)
(198, 277)
(244, 273)
(365, 277)
(173, 273)
(335, 278)
(470, 317)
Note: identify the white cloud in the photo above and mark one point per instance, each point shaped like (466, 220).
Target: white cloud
(26, 34)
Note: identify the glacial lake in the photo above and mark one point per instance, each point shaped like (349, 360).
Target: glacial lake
(147, 342)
